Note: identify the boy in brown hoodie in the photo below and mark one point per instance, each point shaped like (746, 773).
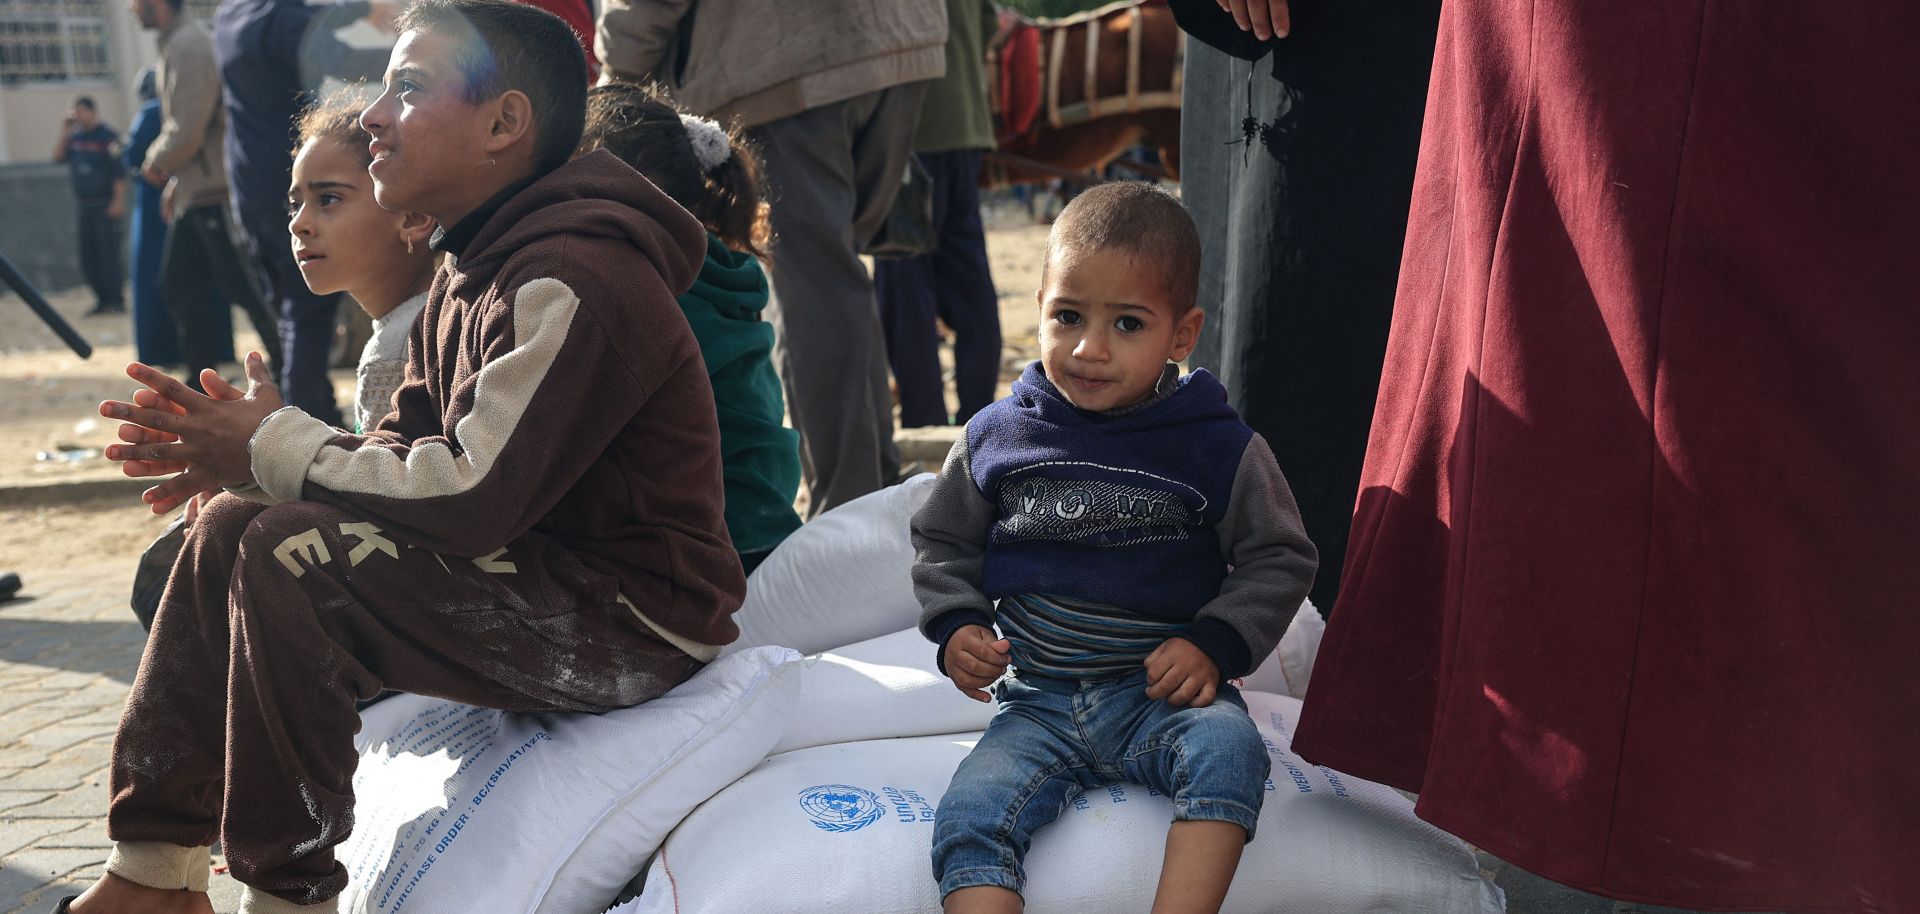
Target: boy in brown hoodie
(538, 526)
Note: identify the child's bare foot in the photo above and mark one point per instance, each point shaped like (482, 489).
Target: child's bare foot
(982, 899)
(114, 895)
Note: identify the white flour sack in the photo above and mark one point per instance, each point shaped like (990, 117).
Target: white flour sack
(884, 687)
(1287, 669)
(462, 810)
(846, 829)
(844, 576)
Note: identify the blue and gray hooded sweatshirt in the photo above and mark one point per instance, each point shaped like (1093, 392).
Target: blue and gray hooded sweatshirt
(1101, 534)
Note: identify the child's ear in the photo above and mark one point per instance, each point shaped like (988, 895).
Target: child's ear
(1186, 334)
(512, 121)
(416, 228)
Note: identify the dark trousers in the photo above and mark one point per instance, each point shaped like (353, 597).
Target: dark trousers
(954, 285)
(833, 172)
(100, 255)
(1301, 226)
(201, 257)
(306, 320)
(313, 611)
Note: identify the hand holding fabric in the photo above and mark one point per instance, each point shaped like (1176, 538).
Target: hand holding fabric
(974, 659)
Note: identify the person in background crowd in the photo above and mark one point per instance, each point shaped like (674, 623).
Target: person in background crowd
(832, 97)
(91, 151)
(715, 174)
(954, 283)
(1297, 148)
(578, 15)
(200, 254)
(273, 54)
(156, 338)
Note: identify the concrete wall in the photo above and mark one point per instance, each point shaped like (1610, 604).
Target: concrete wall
(33, 113)
(39, 231)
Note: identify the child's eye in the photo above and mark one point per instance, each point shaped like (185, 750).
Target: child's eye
(1129, 324)
(406, 85)
(329, 199)
(1064, 316)
(293, 208)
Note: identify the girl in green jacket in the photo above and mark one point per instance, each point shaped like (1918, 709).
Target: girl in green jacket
(715, 173)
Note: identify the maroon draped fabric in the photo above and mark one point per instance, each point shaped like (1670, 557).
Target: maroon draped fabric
(1633, 592)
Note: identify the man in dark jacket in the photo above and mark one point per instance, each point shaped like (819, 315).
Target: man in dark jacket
(89, 149)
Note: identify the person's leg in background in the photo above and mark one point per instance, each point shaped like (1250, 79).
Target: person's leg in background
(188, 289)
(100, 254)
(234, 275)
(1301, 227)
(306, 338)
(833, 172)
(963, 281)
(156, 340)
(904, 288)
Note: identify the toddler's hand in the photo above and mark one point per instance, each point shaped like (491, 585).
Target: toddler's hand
(974, 660)
(1182, 674)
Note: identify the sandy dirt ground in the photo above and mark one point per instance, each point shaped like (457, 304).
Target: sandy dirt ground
(50, 429)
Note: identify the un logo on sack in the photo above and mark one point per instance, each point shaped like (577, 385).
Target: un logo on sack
(840, 808)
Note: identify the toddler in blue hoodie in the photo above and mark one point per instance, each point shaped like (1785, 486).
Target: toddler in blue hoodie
(1137, 545)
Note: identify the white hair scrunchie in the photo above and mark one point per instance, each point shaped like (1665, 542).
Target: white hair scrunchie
(710, 144)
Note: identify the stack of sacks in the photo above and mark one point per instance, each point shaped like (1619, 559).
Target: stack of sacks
(839, 819)
(461, 809)
(464, 809)
(843, 577)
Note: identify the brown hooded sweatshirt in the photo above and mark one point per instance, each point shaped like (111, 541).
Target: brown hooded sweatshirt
(553, 385)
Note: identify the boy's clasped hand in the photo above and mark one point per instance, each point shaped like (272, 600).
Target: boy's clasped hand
(1177, 671)
(199, 439)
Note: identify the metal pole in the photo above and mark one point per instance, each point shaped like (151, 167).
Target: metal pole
(34, 300)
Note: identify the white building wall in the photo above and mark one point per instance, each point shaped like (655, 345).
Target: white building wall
(30, 112)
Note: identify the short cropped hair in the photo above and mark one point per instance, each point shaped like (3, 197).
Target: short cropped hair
(1136, 217)
(501, 46)
(84, 101)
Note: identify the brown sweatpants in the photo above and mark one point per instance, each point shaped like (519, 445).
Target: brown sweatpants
(277, 620)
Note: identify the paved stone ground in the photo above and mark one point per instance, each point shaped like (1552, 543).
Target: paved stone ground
(68, 650)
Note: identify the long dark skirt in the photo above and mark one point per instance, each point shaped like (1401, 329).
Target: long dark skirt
(1301, 212)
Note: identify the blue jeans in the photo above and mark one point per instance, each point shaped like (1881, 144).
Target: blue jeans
(1054, 738)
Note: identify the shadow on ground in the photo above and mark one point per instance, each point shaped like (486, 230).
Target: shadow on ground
(109, 648)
